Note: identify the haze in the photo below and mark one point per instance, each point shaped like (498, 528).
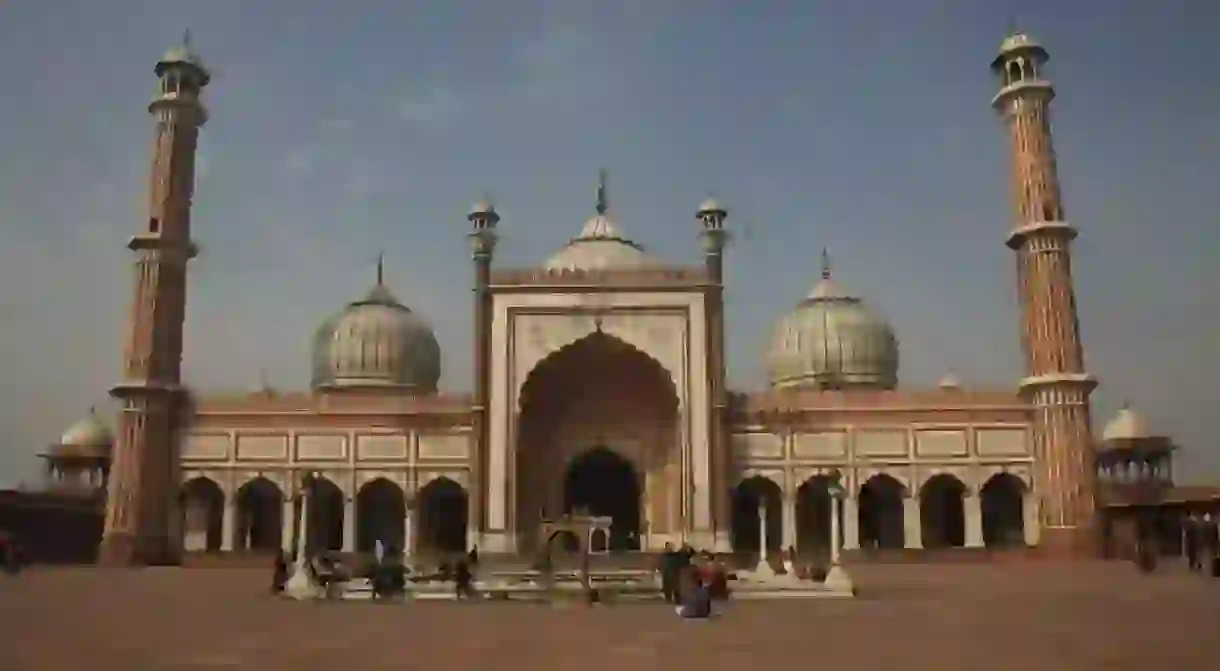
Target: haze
(340, 129)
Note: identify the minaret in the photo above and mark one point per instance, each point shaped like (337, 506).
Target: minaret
(141, 506)
(1055, 381)
(714, 238)
(483, 220)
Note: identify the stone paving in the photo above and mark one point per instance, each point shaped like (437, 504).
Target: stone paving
(1076, 617)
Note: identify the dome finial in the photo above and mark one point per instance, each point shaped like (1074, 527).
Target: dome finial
(825, 263)
(603, 204)
(381, 268)
(186, 38)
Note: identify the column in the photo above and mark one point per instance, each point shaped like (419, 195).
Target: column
(851, 524)
(789, 522)
(349, 524)
(834, 530)
(228, 530)
(911, 530)
(974, 520)
(1032, 526)
(288, 522)
(408, 532)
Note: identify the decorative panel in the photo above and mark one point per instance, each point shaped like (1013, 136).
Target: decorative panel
(758, 446)
(262, 447)
(829, 444)
(381, 446)
(1001, 442)
(940, 443)
(206, 447)
(881, 443)
(321, 447)
(444, 446)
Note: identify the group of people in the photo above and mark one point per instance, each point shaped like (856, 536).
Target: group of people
(1201, 538)
(691, 581)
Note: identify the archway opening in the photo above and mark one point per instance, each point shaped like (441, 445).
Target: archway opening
(443, 509)
(880, 514)
(260, 516)
(325, 519)
(1002, 500)
(203, 509)
(381, 512)
(604, 393)
(942, 512)
(813, 517)
(750, 497)
(601, 483)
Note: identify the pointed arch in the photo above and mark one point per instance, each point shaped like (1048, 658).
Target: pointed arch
(1002, 499)
(749, 497)
(598, 343)
(942, 511)
(325, 518)
(602, 483)
(381, 511)
(203, 504)
(880, 513)
(260, 509)
(443, 507)
(813, 516)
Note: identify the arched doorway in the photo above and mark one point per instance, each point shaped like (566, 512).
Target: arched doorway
(600, 391)
(1002, 500)
(880, 515)
(442, 516)
(602, 483)
(942, 512)
(749, 496)
(381, 512)
(813, 510)
(260, 512)
(203, 509)
(325, 519)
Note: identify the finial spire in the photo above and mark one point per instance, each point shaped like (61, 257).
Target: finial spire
(602, 199)
(381, 268)
(825, 263)
(263, 380)
(186, 38)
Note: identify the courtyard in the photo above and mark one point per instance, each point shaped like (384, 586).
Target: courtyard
(939, 617)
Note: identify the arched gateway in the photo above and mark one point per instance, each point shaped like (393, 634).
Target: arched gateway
(599, 434)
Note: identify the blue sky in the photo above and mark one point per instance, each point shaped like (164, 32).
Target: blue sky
(339, 129)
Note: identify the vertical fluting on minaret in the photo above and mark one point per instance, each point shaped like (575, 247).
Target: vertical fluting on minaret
(483, 220)
(142, 496)
(714, 237)
(1055, 381)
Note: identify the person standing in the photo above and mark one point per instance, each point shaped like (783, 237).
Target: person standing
(669, 569)
(1190, 541)
(1209, 545)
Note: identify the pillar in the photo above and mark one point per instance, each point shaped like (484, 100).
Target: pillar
(228, 525)
(789, 522)
(1029, 511)
(974, 520)
(349, 524)
(288, 519)
(912, 532)
(851, 524)
(408, 532)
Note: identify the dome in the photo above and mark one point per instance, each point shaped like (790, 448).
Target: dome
(376, 342)
(183, 54)
(949, 381)
(601, 245)
(831, 341)
(1126, 425)
(89, 435)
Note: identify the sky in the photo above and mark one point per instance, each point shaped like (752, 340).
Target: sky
(341, 129)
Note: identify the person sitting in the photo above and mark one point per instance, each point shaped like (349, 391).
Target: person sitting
(279, 575)
(463, 580)
(697, 601)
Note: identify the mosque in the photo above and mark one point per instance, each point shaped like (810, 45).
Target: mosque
(599, 387)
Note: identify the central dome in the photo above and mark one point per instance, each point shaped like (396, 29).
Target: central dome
(833, 341)
(376, 342)
(601, 245)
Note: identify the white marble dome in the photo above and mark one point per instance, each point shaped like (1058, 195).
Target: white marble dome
(1126, 425)
(832, 340)
(601, 246)
(89, 434)
(376, 342)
